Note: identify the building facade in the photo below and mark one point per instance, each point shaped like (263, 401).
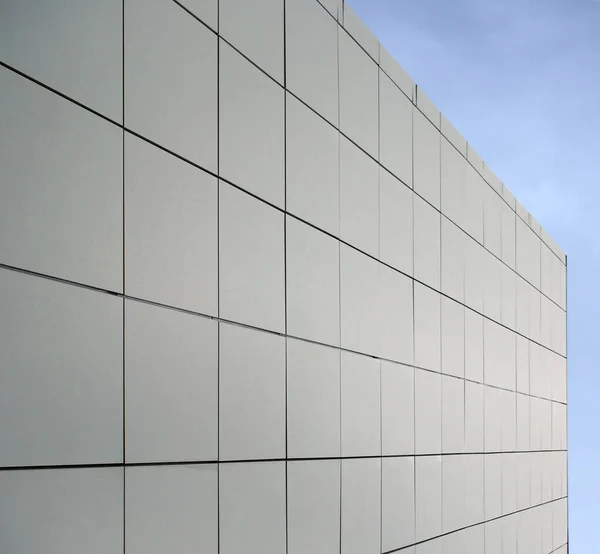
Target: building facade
(258, 295)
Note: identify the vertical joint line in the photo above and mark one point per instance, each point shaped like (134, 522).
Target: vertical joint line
(218, 279)
(285, 221)
(123, 246)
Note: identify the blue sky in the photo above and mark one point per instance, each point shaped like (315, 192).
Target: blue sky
(521, 80)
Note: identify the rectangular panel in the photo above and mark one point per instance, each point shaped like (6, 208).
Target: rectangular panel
(313, 283)
(171, 508)
(171, 384)
(90, 75)
(313, 506)
(358, 93)
(171, 246)
(252, 499)
(171, 79)
(61, 204)
(62, 511)
(251, 127)
(61, 398)
(313, 400)
(312, 167)
(251, 394)
(312, 56)
(251, 260)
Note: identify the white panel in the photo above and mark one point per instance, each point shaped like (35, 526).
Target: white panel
(62, 511)
(508, 236)
(454, 543)
(453, 246)
(475, 275)
(474, 187)
(313, 173)
(475, 540)
(559, 426)
(509, 535)
(359, 295)
(523, 481)
(428, 479)
(453, 493)
(251, 127)
(313, 283)
(522, 346)
(491, 285)
(528, 254)
(395, 315)
(361, 506)
(473, 346)
(428, 412)
(361, 33)
(432, 546)
(550, 274)
(313, 400)
(251, 394)
(509, 421)
(171, 509)
(312, 56)
(493, 181)
(547, 527)
(535, 423)
(453, 338)
(206, 10)
(61, 373)
(499, 356)
(397, 409)
(453, 414)
(171, 247)
(450, 132)
(474, 489)
(523, 307)
(359, 199)
(251, 266)
(492, 221)
(171, 385)
(427, 245)
(428, 107)
(509, 296)
(61, 203)
(359, 112)
(426, 143)
(535, 478)
(493, 419)
(395, 223)
(396, 72)
(509, 197)
(397, 503)
(493, 485)
(522, 422)
(453, 175)
(313, 506)
(90, 74)
(473, 417)
(361, 400)
(171, 79)
(509, 483)
(396, 131)
(474, 159)
(256, 29)
(334, 7)
(546, 462)
(252, 508)
(428, 338)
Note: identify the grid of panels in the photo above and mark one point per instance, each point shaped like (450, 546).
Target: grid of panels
(258, 294)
